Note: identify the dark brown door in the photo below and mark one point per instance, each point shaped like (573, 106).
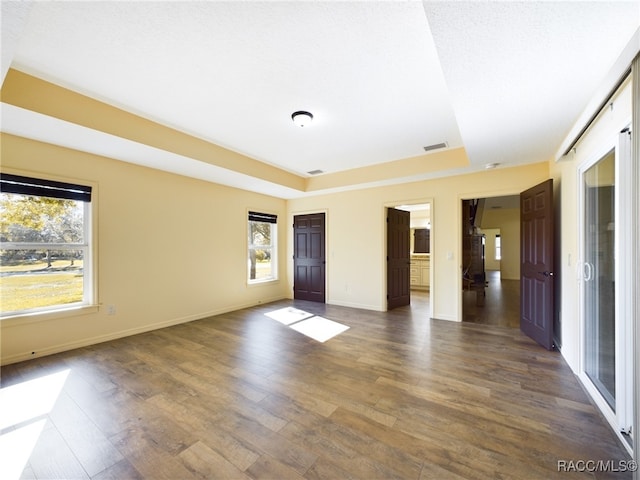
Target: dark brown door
(536, 263)
(309, 257)
(398, 261)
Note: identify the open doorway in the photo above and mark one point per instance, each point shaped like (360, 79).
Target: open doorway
(420, 240)
(491, 261)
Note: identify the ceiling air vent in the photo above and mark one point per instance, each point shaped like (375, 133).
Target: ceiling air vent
(435, 146)
(315, 172)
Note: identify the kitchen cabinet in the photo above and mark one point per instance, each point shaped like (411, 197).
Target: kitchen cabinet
(420, 272)
(421, 240)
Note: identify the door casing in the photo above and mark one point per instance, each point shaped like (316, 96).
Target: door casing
(432, 238)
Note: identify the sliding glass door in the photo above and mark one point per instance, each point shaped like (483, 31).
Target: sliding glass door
(605, 279)
(599, 276)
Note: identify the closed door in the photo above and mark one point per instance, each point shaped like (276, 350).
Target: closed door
(309, 257)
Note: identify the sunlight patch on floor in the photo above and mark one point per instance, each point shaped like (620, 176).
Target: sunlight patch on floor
(23, 410)
(16, 447)
(288, 315)
(31, 399)
(319, 328)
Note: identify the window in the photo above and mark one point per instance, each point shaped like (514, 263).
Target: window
(498, 248)
(45, 252)
(262, 247)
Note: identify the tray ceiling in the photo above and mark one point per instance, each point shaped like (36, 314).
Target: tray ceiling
(494, 81)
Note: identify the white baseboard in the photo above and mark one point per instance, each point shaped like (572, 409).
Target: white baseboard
(85, 342)
(442, 316)
(356, 305)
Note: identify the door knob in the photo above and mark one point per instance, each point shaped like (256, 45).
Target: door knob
(546, 273)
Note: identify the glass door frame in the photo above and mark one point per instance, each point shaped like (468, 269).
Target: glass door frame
(620, 417)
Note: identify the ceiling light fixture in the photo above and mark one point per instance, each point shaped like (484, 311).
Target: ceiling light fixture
(301, 118)
(490, 166)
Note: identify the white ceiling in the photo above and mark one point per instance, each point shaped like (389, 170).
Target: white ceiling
(383, 79)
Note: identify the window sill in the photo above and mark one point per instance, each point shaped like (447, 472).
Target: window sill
(34, 317)
(267, 281)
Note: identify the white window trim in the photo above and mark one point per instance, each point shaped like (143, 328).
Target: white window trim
(274, 250)
(90, 302)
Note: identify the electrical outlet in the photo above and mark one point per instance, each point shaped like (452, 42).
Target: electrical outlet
(111, 309)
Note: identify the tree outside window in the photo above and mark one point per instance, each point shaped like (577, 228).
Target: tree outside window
(44, 245)
(262, 234)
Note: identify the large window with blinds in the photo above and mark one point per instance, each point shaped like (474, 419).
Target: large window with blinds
(262, 246)
(45, 245)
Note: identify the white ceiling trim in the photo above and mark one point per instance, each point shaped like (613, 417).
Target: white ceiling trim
(43, 128)
(25, 123)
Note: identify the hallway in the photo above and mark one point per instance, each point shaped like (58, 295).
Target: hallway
(501, 303)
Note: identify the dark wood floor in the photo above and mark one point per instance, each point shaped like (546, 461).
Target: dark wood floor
(243, 396)
(501, 303)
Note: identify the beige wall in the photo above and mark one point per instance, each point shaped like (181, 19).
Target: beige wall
(144, 214)
(171, 249)
(356, 268)
(508, 221)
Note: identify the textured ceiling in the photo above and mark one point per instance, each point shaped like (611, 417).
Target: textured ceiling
(519, 73)
(504, 80)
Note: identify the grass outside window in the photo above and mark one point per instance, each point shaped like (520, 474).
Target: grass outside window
(37, 285)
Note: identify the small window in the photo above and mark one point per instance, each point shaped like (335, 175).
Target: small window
(498, 248)
(262, 242)
(45, 249)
